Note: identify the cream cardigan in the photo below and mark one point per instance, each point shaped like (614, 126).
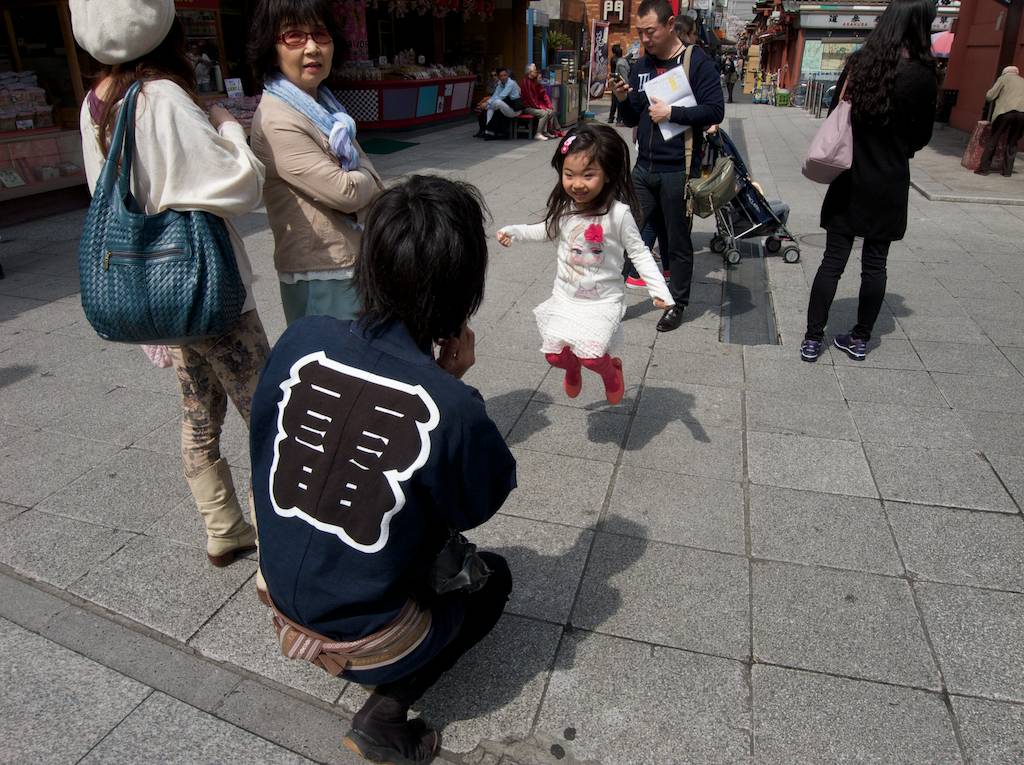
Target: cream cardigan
(181, 162)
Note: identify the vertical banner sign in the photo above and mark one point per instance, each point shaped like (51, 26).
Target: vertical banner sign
(352, 18)
(598, 60)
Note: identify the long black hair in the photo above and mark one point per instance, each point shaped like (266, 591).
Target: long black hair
(605, 146)
(904, 29)
(423, 258)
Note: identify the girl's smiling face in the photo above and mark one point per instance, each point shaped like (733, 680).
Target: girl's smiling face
(583, 179)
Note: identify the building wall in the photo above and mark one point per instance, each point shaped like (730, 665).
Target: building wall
(973, 65)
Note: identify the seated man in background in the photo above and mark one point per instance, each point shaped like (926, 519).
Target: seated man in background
(537, 102)
(505, 104)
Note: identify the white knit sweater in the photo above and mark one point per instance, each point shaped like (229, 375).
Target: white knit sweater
(181, 162)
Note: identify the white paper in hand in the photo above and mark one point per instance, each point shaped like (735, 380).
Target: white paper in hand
(672, 88)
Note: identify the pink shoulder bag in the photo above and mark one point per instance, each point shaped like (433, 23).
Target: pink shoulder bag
(831, 151)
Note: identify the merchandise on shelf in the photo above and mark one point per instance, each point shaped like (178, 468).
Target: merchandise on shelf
(23, 103)
(356, 72)
(242, 108)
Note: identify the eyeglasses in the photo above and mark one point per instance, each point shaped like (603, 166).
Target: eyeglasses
(296, 38)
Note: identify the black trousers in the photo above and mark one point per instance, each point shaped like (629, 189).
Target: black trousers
(612, 108)
(729, 86)
(498, 124)
(1008, 126)
(483, 609)
(872, 284)
(666, 192)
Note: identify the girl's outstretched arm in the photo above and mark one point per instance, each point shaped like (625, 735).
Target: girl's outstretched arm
(535, 232)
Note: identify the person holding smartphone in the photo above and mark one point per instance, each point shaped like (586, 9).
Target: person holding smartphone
(620, 74)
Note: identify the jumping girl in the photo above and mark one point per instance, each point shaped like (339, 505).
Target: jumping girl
(589, 213)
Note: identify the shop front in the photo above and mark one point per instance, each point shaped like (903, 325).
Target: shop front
(414, 63)
(44, 77)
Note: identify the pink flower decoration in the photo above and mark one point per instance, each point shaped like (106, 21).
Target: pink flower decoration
(594, 233)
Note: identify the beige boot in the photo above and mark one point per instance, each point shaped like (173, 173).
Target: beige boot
(227, 533)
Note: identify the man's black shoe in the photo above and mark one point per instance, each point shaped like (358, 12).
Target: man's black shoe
(672, 318)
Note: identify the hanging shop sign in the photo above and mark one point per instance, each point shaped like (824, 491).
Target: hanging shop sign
(838, 20)
(598, 58)
(615, 11)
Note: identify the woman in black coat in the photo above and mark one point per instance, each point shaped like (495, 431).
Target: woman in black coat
(892, 88)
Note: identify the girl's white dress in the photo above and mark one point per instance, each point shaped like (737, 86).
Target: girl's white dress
(586, 307)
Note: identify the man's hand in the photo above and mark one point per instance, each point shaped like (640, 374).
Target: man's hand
(457, 354)
(659, 111)
(620, 88)
(504, 239)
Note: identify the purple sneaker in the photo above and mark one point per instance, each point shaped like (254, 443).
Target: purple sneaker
(854, 347)
(810, 350)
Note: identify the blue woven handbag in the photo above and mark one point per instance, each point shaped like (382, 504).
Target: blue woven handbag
(167, 278)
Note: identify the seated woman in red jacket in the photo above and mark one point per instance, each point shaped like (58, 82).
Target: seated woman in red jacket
(537, 102)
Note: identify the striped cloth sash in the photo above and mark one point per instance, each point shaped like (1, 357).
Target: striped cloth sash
(378, 649)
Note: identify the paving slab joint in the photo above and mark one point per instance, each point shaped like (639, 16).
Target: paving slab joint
(42, 609)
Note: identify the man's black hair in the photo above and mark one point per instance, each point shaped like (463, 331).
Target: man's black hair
(270, 15)
(504, 69)
(662, 8)
(423, 258)
(617, 50)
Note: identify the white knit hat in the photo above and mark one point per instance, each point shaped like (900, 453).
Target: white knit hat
(117, 31)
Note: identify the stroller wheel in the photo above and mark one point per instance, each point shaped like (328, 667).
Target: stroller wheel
(791, 255)
(772, 245)
(732, 257)
(717, 244)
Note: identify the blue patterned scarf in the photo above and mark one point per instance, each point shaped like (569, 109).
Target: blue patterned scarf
(325, 112)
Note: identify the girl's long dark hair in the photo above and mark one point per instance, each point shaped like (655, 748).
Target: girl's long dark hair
(165, 62)
(903, 29)
(605, 146)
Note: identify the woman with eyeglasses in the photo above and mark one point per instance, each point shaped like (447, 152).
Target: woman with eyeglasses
(319, 181)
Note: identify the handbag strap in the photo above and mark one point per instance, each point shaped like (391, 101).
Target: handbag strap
(126, 124)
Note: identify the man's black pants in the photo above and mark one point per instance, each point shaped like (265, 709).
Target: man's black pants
(667, 192)
(483, 609)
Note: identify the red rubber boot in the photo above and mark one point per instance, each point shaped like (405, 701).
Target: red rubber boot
(610, 370)
(567, 360)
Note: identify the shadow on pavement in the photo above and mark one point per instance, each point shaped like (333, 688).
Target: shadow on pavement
(495, 673)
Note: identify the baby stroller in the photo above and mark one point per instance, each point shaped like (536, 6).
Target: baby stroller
(749, 214)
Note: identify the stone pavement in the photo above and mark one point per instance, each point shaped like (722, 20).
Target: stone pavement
(938, 175)
(751, 559)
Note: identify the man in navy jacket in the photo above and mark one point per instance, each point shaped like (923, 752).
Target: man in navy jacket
(660, 172)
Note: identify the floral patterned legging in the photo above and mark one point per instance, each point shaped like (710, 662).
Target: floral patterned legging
(209, 371)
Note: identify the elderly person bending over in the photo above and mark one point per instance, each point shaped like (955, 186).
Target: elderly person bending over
(1007, 120)
(537, 102)
(505, 104)
(367, 452)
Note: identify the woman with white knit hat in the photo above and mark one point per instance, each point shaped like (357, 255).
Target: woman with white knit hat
(184, 159)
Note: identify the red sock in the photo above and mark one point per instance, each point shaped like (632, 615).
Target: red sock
(567, 360)
(610, 370)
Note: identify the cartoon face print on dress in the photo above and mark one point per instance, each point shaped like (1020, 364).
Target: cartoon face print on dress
(586, 255)
(346, 442)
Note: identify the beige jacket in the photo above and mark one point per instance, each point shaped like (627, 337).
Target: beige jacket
(311, 201)
(1008, 93)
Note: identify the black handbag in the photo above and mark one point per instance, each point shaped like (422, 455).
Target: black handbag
(516, 104)
(458, 567)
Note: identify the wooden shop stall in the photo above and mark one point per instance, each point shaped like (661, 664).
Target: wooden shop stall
(415, 62)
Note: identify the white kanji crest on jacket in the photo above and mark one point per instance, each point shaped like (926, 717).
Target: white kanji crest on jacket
(346, 441)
